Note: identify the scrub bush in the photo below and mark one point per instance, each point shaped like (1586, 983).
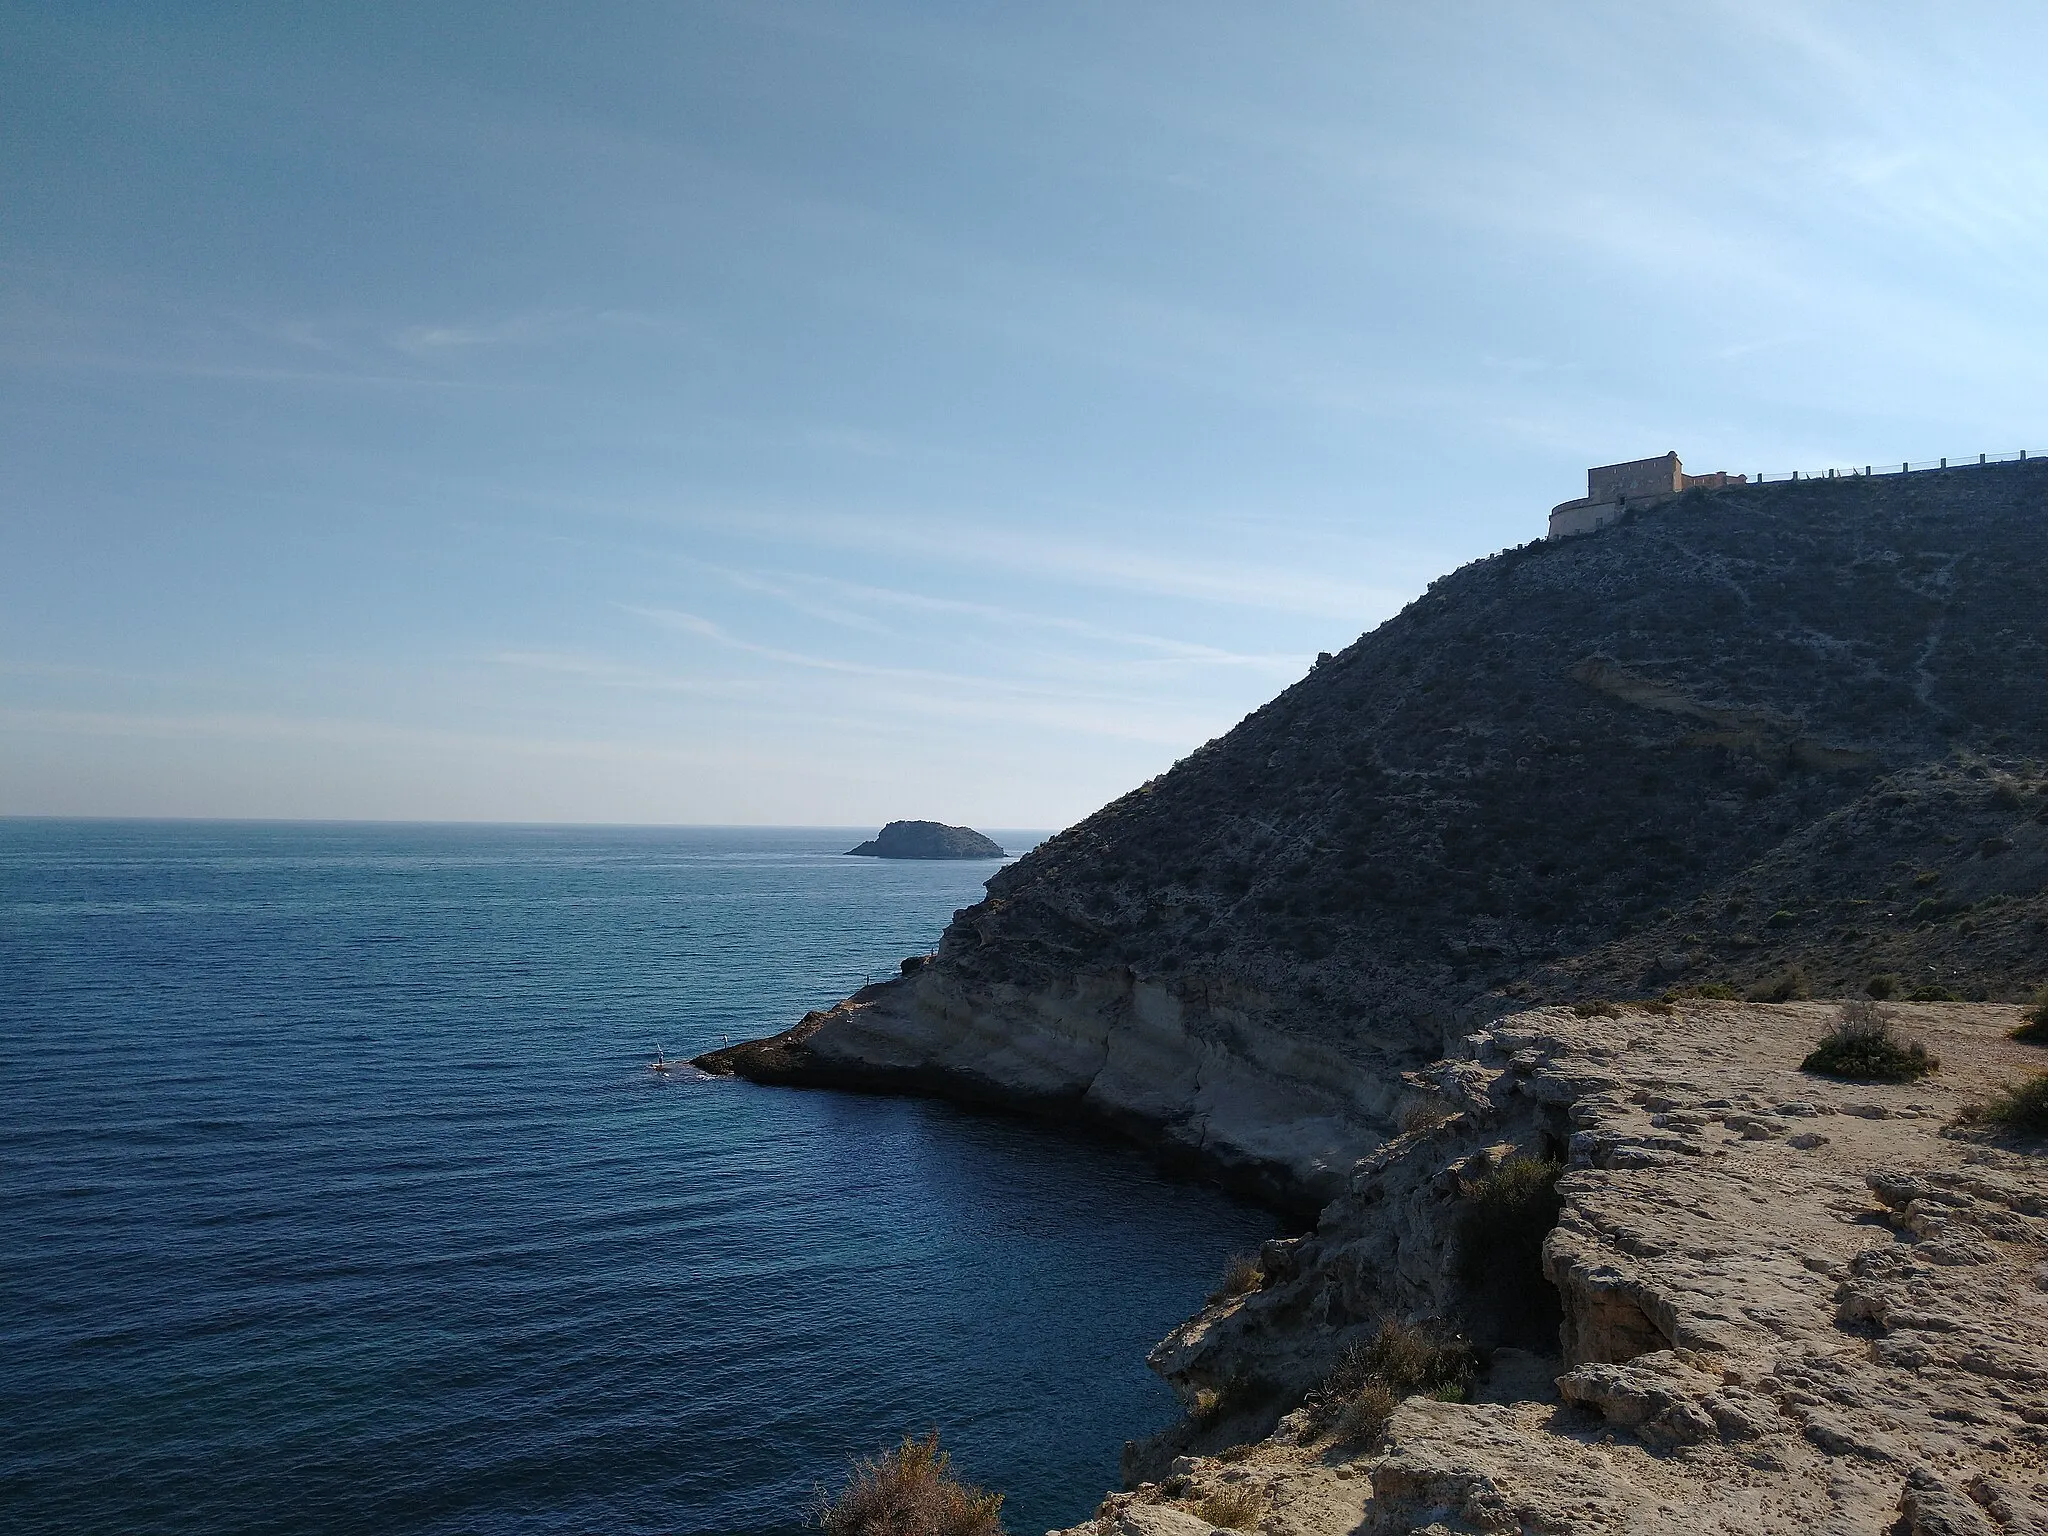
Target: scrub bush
(1235, 1509)
(2034, 1023)
(1863, 1047)
(1402, 1360)
(1788, 986)
(910, 1491)
(2022, 1107)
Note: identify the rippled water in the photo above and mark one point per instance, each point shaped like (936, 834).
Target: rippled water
(335, 1194)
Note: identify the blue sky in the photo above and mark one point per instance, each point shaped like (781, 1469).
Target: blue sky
(822, 413)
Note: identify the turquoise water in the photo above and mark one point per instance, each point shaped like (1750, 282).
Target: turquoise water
(336, 1195)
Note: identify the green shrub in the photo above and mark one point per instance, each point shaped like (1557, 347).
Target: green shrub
(1881, 986)
(1506, 1215)
(1596, 1010)
(1863, 1047)
(1788, 986)
(1930, 993)
(2022, 1107)
(910, 1491)
(1780, 919)
(2034, 1022)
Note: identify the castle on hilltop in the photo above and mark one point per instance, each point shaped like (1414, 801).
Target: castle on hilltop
(1614, 488)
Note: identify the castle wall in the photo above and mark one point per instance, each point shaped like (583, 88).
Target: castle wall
(1661, 476)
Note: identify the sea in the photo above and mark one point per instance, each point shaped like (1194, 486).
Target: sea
(336, 1194)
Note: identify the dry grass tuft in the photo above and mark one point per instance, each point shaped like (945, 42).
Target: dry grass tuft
(1370, 1380)
(1424, 1111)
(910, 1491)
(1238, 1508)
(1364, 1418)
(1865, 1048)
(1242, 1275)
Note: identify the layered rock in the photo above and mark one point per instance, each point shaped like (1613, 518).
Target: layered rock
(1789, 1304)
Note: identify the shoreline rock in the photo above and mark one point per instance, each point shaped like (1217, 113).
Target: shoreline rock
(1781, 1314)
(1183, 1077)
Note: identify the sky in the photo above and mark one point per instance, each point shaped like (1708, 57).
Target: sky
(818, 413)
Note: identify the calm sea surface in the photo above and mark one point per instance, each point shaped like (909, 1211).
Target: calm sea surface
(335, 1194)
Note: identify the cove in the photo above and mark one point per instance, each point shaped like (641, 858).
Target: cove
(340, 1198)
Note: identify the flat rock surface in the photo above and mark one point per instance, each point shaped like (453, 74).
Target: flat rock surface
(1791, 1304)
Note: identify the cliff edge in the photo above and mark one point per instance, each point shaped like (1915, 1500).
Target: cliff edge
(1787, 1304)
(1778, 739)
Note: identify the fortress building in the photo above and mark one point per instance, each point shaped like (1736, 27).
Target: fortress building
(1614, 488)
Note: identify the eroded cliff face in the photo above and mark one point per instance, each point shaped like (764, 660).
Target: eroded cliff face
(1203, 1071)
(1788, 1304)
(1773, 727)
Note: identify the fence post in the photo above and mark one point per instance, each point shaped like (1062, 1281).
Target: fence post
(1944, 463)
(1980, 458)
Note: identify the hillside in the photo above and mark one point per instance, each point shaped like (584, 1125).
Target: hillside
(1789, 726)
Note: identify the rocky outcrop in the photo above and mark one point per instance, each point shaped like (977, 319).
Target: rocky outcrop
(927, 840)
(1788, 1304)
(1203, 1073)
(1785, 736)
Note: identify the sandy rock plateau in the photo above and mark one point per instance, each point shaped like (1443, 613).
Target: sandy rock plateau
(1789, 1304)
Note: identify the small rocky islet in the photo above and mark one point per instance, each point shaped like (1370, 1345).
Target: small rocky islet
(1495, 950)
(927, 840)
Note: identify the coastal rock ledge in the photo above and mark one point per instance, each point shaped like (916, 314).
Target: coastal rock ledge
(927, 840)
(1788, 1304)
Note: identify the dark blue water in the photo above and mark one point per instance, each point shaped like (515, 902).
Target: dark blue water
(335, 1195)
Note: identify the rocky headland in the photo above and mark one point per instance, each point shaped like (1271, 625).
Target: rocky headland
(927, 840)
(1756, 744)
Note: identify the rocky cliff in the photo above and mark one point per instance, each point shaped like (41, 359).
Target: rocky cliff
(1787, 1304)
(1773, 738)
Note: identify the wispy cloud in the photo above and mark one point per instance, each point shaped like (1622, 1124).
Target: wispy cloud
(1020, 618)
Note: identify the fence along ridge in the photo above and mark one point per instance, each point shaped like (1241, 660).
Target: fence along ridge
(1854, 472)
